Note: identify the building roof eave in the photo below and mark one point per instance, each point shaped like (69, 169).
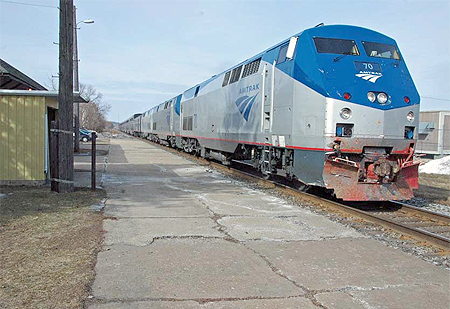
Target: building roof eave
(77, 98)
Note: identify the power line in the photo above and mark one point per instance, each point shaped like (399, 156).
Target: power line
(439, 99)
(29, 4)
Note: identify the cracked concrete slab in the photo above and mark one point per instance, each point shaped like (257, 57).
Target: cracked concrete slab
(190, 171)
(156, 207)
(411, 297)
(340, 263)
(396, 297)
(290, 303)
(248, 202)
(185, 238)
(186, 269)
(340, 300)
(307, 226)
(142, 231)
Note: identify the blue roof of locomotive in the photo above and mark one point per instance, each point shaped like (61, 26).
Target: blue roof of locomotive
(333, 78)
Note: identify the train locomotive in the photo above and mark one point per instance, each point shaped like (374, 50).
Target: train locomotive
(332, 106)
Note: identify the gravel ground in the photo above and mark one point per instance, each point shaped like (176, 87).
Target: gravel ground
(429, 205)
(433, 193)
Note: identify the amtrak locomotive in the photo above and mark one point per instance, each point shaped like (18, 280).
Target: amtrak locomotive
(333, 106)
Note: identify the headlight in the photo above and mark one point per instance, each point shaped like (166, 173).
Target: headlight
(345, 113)
(410, 116)
(382, 98)
(371, 96)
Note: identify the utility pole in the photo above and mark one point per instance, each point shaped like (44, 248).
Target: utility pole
(76, 85)
(64, 179)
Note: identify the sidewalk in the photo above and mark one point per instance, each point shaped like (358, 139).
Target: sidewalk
(181, 236)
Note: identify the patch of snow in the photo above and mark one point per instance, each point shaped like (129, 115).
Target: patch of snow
(99, 206)
(438, 166)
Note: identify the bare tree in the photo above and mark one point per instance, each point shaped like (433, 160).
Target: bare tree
(52, 83)
(93, 114)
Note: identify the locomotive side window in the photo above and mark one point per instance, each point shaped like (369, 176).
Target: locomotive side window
(190, 93)
(251, 68)
(282, 53)
(187, 123)
(381, 50)
(336, 46)
(226, 79)
(235, 74)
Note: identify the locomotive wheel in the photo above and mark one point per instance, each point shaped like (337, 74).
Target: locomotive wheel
(267, 176)
(301, 186)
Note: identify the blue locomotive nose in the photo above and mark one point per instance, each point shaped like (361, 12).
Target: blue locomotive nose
(363, 63)
(374, 82)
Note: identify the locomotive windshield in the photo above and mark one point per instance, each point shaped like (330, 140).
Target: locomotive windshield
(381, 50)
(336, 46)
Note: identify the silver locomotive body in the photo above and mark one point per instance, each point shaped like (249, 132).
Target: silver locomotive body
(304, 111)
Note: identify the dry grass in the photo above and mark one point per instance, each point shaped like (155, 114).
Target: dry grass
(49, 245)
(434, 187)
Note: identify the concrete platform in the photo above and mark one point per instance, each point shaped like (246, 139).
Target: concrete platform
(392, 297)
(181, 236)
(349, 263)
(177, 268)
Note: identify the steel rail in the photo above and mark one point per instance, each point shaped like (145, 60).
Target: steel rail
(423, 212)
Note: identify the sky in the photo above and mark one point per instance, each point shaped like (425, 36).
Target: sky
(140, 53)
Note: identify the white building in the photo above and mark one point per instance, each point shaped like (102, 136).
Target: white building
(434, 133)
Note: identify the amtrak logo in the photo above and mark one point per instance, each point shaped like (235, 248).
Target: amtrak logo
(245, 104)
(370, 76)
(249, 88)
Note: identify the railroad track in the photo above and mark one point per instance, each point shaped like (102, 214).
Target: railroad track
(420, 224)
